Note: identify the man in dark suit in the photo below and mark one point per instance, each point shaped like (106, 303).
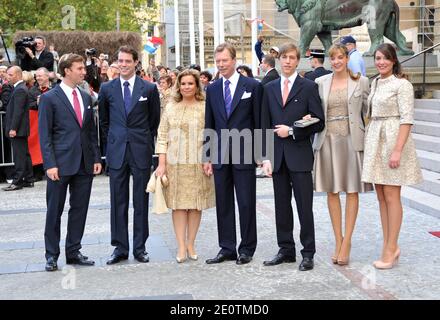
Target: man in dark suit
(286, 101)
(40, 58)
(71, 157)
(129, 113)
(233, 108)
(268, 66)
(17, 129)
(317, 58)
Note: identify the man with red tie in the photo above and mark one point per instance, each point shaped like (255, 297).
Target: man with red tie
(285, 101)
(69, 145)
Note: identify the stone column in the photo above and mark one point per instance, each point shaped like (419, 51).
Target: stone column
(437, 25)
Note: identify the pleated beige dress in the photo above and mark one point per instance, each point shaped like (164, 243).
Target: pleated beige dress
(338, 167)
(180, 136)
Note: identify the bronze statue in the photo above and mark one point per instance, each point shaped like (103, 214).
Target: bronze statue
(321, 17)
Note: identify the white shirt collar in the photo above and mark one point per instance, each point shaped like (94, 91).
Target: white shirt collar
(269, 70)
(67, 89)
(232, 79)
(292, 78)
(130, 81)
(17, 83)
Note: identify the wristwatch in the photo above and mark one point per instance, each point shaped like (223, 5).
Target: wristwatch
(291, 133)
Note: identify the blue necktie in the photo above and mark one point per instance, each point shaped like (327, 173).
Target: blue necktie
(127, 97)
(228, 98)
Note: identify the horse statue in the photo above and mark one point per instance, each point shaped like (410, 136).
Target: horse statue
(321, 17)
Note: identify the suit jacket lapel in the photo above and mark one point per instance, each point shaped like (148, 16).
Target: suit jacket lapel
(60, 93)
(220, 104)
(117, 89)
(86, 105)
(351, 87)
(241, 88)
(296, 88)
(277, 89)
(137, 92)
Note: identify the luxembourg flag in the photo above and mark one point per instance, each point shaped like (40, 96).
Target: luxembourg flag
(153, 43)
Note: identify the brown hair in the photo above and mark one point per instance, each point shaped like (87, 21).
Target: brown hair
(340, 48)
(200, 96)
(226, 46)
(167, 79)
(290, 46)
(67, 60)
(129, 50)
(390, 54)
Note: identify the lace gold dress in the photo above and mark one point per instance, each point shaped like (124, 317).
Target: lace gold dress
(392, 103)
(338, 166)
(180, 136)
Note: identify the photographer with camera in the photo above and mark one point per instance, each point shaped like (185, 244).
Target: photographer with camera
(33, 54)
(93, 69)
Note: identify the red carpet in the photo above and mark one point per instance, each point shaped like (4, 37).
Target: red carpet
(435, 233)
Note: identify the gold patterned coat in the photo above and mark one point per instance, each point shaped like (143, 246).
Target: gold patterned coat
(180, 136)
(391, 103)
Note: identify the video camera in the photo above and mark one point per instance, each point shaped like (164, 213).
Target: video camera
(22, 44)
(91, 52)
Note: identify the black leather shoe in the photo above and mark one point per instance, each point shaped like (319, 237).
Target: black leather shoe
(143, 257)
(79, 259)
(116, 258)
(243, 259)
(306, 264)
(29, 184)
(278, 259)
(221, 258)
(51, 264)
(13, 187)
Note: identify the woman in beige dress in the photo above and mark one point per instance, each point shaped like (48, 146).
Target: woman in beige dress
(179, 145)
(339, 147)
(390, 155)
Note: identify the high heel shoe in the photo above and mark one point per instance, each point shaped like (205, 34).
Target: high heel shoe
(180, 260)
(388, 265)
(345, 261)
(334, 259)
(193, 257)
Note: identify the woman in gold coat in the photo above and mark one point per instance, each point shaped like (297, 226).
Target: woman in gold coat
(180, 145)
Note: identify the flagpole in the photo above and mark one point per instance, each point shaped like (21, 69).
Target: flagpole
(221, 21)
(201, 37)
(216, 24)
(254, 35)
(176, 32)
(192, 38)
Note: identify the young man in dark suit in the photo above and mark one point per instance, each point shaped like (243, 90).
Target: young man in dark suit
(268, 66)
(285, 101)
(69, 145)
(233, 108)
(129, 109)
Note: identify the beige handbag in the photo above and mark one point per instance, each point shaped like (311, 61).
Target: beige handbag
(156, 185)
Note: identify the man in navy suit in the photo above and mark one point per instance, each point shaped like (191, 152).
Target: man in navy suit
(285, 101)
(129, 109)
(233, 107)
(69, 145)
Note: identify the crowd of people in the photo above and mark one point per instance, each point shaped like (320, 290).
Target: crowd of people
(204, 137)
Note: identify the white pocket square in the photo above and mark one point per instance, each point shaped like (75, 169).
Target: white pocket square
(88, 107)
(246, 95)
(143, 99)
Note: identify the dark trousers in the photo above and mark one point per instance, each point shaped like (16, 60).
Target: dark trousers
(244, 181)
(22, 161)
(80, 187)
(301, 182)
(119, 195)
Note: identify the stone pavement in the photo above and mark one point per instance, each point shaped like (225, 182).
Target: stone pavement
(22, 275)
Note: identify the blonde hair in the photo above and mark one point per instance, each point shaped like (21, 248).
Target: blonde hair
(27, 77)
(200, 96)
(340, 48)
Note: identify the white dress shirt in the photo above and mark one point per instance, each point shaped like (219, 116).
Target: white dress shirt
(68, 91)
(17, 83)
(233, 83)
(292, 79)
(131, 86)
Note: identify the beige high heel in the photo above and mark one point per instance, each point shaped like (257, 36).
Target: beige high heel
(388, 265)
(193, 257)
(180, 260)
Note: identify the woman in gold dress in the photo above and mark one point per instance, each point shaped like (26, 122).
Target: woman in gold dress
(339, 147)
(390, 155)
(179, 145)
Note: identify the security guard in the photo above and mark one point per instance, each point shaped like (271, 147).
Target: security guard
(317, 57)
